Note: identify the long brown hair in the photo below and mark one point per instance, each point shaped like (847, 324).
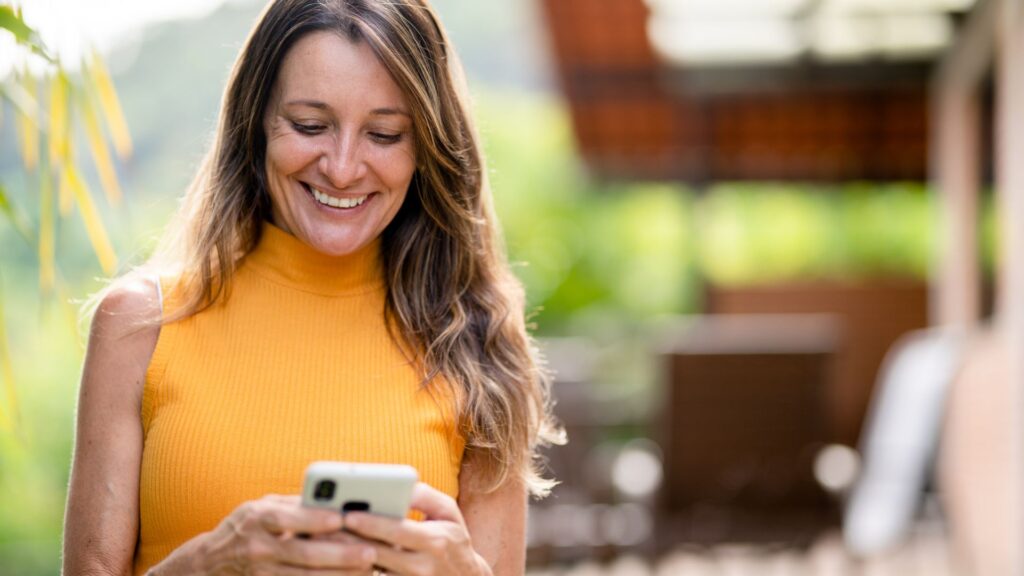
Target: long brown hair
(450, 294)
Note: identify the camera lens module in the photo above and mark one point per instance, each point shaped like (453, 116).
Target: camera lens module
(324, 490)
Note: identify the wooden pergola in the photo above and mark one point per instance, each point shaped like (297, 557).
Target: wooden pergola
(638, 116)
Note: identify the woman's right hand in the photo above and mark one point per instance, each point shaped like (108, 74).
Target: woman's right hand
(263, 537)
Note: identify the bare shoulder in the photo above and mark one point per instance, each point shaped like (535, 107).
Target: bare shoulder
(130, 308)
(124, 333)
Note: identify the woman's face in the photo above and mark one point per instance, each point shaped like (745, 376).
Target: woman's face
(340, 151)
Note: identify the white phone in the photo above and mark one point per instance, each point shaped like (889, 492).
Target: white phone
(384, 489)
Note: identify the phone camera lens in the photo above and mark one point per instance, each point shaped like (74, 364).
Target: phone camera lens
(324, 490)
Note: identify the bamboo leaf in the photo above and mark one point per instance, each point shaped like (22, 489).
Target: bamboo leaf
(12, 215)
(8, 418)
(59, 125)
(13, 23)
(24, 102)
(47, 243)
(93, 224)
(100, 152)
(28, 130)
(65, 196)
(111, 105)
(23, 33)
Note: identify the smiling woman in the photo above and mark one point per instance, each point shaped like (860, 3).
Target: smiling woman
(339, 163)
(331, 289)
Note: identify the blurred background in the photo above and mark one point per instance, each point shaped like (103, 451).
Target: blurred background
(767, 249)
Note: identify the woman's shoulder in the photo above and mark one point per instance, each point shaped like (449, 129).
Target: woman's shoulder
(130, 308)
(122, 338)
(135, 296)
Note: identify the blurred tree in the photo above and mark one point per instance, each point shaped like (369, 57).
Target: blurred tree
(46, 109)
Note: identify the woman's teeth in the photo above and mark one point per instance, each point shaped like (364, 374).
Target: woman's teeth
(337, 202)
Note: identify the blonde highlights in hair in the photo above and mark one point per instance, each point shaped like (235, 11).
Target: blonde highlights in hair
(451, 299)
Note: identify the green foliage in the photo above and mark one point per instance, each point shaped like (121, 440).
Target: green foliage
(36, 408)
(635, 251)
(34, 460)
(11, 20)
(15, 219)
(760, 233)
(577, 245)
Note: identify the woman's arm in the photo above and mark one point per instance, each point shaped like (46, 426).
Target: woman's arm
(101, 521)
(496, 522)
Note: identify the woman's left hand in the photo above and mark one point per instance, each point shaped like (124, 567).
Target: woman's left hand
(440, 545)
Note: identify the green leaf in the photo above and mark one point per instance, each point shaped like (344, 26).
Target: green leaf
(9, 416)
(96, 72)
(12, 22)
(23, 33)
(27, 127)
(93, 224)
(7, 209)
(47, 243)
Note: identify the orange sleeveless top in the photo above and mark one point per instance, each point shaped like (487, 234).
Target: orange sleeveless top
(297, 365)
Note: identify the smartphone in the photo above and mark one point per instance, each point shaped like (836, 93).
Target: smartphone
(384, 489)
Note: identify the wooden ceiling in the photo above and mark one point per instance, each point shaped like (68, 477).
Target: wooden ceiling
(636, 117)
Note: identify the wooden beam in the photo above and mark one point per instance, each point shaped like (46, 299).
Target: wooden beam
(955, 167)
(956, 175)
(969, 59)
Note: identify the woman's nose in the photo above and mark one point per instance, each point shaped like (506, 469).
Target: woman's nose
(343, 164)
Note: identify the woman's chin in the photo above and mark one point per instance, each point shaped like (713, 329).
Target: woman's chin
(334, 245)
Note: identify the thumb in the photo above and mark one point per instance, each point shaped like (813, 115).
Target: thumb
(436, 505)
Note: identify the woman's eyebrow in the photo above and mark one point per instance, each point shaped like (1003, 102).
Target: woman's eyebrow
(387, 111)
(311, 103)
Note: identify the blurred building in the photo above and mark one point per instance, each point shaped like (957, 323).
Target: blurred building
(821, 91)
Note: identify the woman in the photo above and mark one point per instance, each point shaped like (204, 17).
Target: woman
(332, 288)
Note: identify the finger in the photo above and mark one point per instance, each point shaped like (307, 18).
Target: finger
(285, 498)
(435, 504)
(285, 570)
(396, 561)
(404, 533)
(342, 537)
(321, 554)
(277, 517)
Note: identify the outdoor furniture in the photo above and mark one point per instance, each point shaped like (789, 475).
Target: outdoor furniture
(901, 439)
(870, 315)
(742, 418)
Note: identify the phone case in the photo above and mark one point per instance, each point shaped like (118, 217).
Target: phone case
(384, 489)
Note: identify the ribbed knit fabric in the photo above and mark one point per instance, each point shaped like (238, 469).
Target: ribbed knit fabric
(297, 366)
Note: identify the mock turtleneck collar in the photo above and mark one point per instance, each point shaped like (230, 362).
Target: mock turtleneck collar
(285, 259)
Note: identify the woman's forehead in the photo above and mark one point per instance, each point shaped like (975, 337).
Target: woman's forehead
(327, 70)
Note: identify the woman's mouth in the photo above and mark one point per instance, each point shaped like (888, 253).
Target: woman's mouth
(334, 202)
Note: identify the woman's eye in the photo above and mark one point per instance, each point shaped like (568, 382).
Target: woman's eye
(307, 128)
(384, 138)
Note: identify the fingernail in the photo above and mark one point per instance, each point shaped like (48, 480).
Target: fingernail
(370, 555)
